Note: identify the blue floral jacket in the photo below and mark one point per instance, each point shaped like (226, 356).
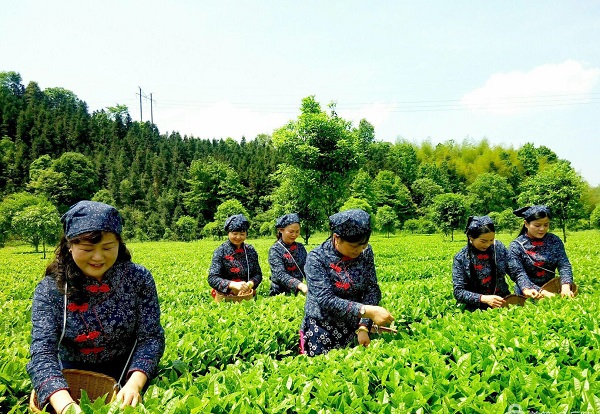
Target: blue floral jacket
(287, 266)
(473, 274)
(229, 263)
(120, 309)
(338, 286)
(533, 262)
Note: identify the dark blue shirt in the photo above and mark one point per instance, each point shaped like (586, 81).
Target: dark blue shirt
(229, 263)
(476, 273)
(120, 309)
(534, 262)
(338, 286)
(287, 266)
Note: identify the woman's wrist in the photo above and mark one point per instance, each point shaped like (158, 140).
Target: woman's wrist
(66, 406)
(361, 328)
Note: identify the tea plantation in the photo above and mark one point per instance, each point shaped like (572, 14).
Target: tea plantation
(243, 357)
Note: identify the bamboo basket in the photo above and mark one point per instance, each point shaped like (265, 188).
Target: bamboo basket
(219, 297)
(554, 286)
(96, 386)
(512, 300)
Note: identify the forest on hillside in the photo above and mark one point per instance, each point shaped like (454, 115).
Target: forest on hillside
(54, 152)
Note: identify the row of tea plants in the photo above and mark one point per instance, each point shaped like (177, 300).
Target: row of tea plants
(243, 357)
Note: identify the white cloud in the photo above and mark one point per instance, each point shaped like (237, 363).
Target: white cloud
(220, 120)
(546, 85)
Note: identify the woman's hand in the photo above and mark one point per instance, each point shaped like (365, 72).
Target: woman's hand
(493, 300)
(545, 294)
(531, 293)
(130, 393)
(379, 315)
(303, 288)
(363, 338)
(565, 291)
(238, 287)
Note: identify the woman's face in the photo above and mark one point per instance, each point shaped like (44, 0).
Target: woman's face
(538, 228)
(290, 233)
(95, 259)
(237, 237)
(351, 250)
(483, 242)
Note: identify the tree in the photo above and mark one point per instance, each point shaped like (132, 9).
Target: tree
(224, 210)
(10, 206)
(321, 151)
(424, 191)
(185, 228)
(595, 217)
(392, 192)
(104, 196)
(450, 212)
(506, 221)
(558, 187)
(354, 202)
(37, 224)
(528, 156)
(362, 187)
(69, 179)
(211, 182)
(490, 192)
(386, 219)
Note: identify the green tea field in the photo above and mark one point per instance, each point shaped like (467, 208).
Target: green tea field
(243, 357)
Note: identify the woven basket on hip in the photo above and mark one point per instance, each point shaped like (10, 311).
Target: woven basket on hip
(219, 297)
(512, 300)
(554, 286)
(96, 386)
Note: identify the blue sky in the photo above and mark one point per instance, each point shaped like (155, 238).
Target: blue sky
(512, 72)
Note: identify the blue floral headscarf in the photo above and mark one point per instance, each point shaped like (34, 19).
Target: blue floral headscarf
(237, 222)
(475, 222)
(87, 216)
(286, 220)
(530, 211)
(350, 223)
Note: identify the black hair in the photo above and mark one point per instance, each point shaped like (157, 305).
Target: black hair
(64, 269)
(362, 238)
(475, 232)
(533, 217)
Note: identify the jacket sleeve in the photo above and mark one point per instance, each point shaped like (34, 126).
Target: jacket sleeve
(319, 287)
(460, 279)
(279, 274)
(150, 336)
(501, 269)
(516, 257)
(214, 272)
(46, 319)
(372, 294)
(256, 272)
(565, 270)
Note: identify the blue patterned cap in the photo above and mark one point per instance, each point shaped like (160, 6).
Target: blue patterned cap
(87, 216)
(237, 222)
(526, 212)
(475, 222)
(286, 220)
(350, 223)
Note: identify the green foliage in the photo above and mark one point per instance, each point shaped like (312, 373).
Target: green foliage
(186, 228)
(595, 217)
(386, 220)
(560, 188)
(490, 192)
(69, 179)
(39, 223)
(104, 196)
(353, 202)
(450, 212)
(243, 356)
(424, 190)
(506, 221)
(420, 226)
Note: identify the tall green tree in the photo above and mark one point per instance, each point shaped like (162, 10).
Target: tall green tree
(39, 223)
(490, 192)
(323, 147)
(450, 212)
(560, 188)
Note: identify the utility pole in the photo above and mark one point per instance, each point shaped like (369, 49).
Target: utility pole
(143, 95)
(141, 118)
